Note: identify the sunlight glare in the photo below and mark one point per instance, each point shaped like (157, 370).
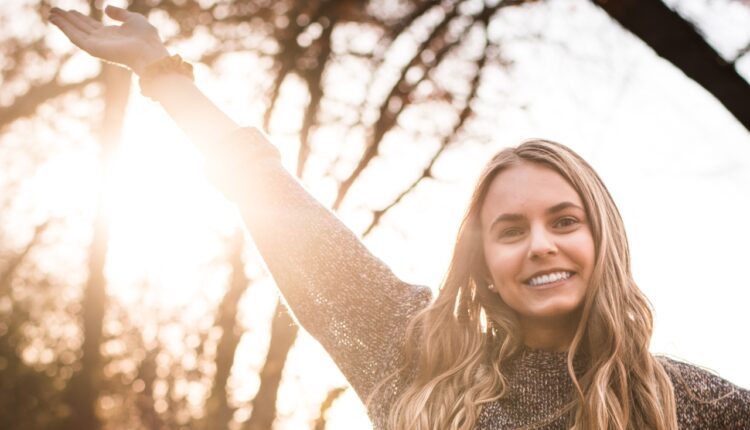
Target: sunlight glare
(166, 220)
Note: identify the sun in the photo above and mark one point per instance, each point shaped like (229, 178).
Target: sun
(168, 229)
(166, 221)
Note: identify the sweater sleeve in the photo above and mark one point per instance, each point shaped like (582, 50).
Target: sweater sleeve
(345, 297)
(705, 400)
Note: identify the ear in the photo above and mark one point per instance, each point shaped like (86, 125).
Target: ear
(480, 271)
(484, 273)
(485, 277)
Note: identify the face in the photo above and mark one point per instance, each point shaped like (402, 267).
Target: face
(537, 242)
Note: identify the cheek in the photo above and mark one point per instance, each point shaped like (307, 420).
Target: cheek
(504, 263)
(581, 249)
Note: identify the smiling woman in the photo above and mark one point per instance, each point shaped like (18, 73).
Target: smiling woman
(541, 264)
(538, 323)
(539, 250)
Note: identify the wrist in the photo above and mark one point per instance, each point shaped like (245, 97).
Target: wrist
(149, 56)
(151, 75)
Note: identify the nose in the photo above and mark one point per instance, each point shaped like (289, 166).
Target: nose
(541, 243)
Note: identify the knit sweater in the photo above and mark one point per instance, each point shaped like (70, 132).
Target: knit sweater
(358, 310)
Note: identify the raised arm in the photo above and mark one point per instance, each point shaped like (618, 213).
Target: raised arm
(344, 296)
(136, 44)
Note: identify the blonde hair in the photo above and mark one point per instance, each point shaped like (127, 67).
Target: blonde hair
(465, 338)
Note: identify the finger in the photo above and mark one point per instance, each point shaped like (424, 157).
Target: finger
(77, 23)
(118, 13)
(73, 20)
(78, 37)
(85, 23)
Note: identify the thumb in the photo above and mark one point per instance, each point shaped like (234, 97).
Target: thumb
(117, 13)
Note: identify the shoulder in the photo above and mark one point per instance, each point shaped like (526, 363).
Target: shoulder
(704, 399)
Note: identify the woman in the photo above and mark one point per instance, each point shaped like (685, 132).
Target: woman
(538, 323)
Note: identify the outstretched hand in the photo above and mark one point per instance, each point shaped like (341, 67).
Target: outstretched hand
(134, 44)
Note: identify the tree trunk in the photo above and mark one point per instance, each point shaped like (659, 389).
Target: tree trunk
(677, 41)
(283, 334)
(320, 422)
(218, 411)
(84, 386)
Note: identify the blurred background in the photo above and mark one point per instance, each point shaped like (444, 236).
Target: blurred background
(130, 295)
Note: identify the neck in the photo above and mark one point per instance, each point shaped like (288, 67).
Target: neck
(549, 334)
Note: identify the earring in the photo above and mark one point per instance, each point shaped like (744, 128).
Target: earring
(491, 287)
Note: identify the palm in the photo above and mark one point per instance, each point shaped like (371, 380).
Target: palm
(119, 44)
(129, 44)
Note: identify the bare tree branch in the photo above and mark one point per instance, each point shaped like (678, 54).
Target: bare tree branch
(315, 88)
(676, 40)
(742, 52)
(320, 422)
(283, 333)
(463, 116)
(218, 413)
(26, 105)
(286, 57)
(146, 399)
(15, 262)
(394, 104)
(439, 46)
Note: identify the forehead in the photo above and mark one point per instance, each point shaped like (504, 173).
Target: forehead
(526, 187)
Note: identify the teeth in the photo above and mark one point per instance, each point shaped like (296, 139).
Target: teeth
(548, 278)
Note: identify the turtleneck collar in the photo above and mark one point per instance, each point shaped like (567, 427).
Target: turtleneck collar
(545, 360)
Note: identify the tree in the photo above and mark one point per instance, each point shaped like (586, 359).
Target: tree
(398, 59)
(678, 41)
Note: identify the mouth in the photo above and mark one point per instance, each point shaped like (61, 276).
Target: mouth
(549, 279)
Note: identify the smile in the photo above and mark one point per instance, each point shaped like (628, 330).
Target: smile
(548, 278)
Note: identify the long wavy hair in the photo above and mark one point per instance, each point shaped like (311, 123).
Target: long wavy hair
(465, 338)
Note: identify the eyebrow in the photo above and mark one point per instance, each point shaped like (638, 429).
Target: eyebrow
(511, 217)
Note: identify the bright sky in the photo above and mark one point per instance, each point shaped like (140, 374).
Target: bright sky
(677, 164)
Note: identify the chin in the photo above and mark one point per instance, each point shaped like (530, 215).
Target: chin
(556, 311)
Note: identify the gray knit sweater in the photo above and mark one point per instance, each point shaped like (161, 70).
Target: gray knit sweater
(358, 310)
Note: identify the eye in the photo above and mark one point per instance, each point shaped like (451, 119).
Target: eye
(511, 233)
(566, 222)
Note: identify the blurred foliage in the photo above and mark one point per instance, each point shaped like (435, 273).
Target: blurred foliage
(72, 357)
(114, 368)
